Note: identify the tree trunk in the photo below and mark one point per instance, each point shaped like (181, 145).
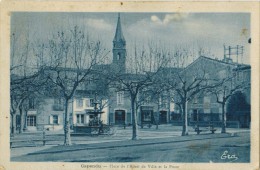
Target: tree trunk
(157, 119)
(185, 120)
(13, 126)
(158, 116)
(21, 120)
(223, 130)
(67, 139)
(169, 108)
(134, 119)
(25, 121)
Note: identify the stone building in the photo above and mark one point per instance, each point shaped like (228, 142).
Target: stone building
(239, 106)
(204, 106)
(49, 114)
(153, 108)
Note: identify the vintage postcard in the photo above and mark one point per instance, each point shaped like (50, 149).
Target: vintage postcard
(129, 85)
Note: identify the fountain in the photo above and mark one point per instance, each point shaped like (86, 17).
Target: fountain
(96, 113)
(95, 125)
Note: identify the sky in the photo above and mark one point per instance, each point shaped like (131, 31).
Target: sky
(209, 31)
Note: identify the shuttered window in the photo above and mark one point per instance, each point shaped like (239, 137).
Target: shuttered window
(80, 118)
(54, 119)
(120, 97)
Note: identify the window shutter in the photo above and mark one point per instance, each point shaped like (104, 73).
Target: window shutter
(83, 119)
(87, 102)
(51, 119)
(58, 119)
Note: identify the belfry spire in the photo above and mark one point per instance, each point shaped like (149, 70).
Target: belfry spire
(119, 48)
(119, 37)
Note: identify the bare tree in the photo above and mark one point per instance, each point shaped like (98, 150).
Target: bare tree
(73, 56)
(148, 95)
(187, 82)
(158, 90)
(186, 91)
(226, 88)
(142, 66)
(22, 89)
(25, 82)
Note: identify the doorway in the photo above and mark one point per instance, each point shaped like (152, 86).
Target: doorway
(163, 117)
(119, 117)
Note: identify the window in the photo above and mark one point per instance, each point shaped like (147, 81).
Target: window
(89, 103)
(195, 115)
(118, 56)
(120, 97)
(31, 120)
(163, 101)
(56, 101)
(80, 118)
(206, 104)
(55, 119)
(79, 103)
(147, 115)
(58, 104)
(31, 103)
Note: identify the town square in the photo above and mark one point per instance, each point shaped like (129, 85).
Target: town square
(130, 87)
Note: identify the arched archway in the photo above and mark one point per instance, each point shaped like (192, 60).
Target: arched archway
(238, 109)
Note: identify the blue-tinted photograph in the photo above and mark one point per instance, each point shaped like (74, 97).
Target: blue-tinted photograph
(130, 87)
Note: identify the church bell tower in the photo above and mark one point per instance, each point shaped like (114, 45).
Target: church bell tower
(119, 50)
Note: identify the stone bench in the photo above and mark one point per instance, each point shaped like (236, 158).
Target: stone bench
(211, 128)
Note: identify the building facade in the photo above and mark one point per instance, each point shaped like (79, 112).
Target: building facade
(153, 107)
(204, 107)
